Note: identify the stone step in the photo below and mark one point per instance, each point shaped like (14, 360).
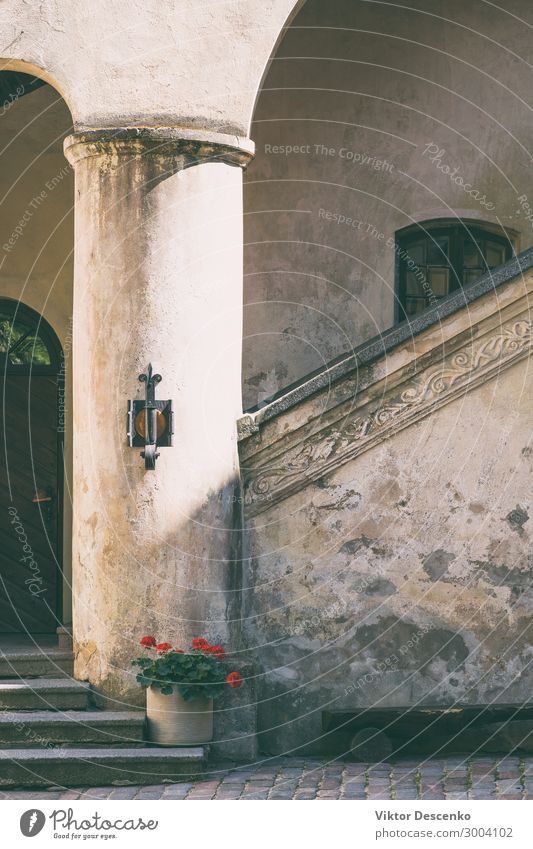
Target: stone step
(43, 694)
(71, 727)
(32, 663)
(98, 767)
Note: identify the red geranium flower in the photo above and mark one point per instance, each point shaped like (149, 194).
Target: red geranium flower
(217, 651)
(148, 641)
(234, 680)
(200, 643)
(162, 648)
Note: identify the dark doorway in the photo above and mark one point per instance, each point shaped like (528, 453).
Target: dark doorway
(32, 425)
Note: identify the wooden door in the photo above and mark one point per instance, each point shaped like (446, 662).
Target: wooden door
(30, 499)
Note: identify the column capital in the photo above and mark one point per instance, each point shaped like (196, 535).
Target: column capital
(194, 146)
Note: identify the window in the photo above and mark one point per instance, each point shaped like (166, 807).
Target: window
(436, 258)
(25, 340)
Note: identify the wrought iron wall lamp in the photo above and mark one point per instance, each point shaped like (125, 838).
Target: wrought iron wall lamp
(150, 422)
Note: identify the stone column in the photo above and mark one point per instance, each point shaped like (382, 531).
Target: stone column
(158, 279)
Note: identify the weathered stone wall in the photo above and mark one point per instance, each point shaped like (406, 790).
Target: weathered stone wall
(356, 93)
(395, 571)
(153, 550)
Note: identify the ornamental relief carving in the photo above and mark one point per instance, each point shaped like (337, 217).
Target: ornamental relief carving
(329, 448)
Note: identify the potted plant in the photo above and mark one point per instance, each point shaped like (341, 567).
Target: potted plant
(180, 688)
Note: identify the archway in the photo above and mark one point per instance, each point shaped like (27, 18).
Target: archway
(36, 191)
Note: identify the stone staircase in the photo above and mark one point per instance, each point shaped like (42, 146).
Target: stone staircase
(52, 734)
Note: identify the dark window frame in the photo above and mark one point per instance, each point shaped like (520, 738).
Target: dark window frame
(456, 231)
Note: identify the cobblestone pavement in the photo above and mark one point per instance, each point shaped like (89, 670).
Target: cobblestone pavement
(298, 778)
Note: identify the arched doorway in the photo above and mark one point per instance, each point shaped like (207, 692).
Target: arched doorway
(36, 217)
(32, 416)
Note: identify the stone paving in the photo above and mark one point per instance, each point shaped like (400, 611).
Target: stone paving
(307, 778)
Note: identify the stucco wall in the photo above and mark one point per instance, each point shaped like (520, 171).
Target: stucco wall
(147, 62)
(36, 214)
(379, 83)
(402, 576)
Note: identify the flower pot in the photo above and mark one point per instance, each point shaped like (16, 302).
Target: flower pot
(174, 722)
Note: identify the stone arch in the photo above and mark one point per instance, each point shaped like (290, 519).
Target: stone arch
(30, 68)
(296, 6)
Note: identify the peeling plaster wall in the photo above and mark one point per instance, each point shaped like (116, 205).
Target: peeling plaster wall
(378, 82)
(402, 577)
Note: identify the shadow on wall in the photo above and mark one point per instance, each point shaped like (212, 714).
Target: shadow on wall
(356, 99)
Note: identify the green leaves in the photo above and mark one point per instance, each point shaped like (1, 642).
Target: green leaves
(193, 675)
(143, 662)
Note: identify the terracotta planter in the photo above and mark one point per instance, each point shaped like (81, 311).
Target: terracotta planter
(174, 722)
